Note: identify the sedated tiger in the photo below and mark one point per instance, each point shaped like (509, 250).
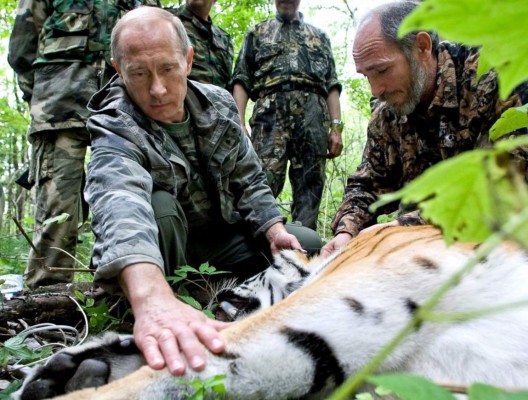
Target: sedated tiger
(340, 312)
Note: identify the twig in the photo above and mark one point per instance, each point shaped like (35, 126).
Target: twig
(65, 252)
(21, 228)
(61, 269)
(464, 389)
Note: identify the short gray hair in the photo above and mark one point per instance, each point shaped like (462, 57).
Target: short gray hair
(391, 16)
(148, 14)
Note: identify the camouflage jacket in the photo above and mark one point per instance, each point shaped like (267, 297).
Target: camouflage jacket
(398, 149)
(213, 49)
(278, 51)
(131, 156)
(60, 51)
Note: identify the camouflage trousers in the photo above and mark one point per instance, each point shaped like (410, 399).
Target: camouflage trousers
(293, 126)
(57, 170)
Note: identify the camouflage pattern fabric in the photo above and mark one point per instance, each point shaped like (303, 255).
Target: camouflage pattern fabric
(57, 169)
(398, 149)
(278, 51)
(131, 158)
(292, 126)
(287, 67)
(60, 53)
(213, 49)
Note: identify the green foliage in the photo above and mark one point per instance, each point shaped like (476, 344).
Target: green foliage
(236, 17)
(485, 392)
(15, 348)
(468, 195)
(13, 255)
(359, 95)
(59, 219)
(409, 387)
(8, 391)
(99, 316)
(499, 27)
(209, 388)
(13, 119)
(385, 218)
(511, 120)
(379, 391)
(188, 279)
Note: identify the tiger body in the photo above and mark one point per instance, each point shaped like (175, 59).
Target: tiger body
(354, 304)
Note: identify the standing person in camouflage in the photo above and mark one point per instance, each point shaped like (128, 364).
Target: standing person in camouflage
(286, 66)
(430, 106)
(173, 181)
(60, 53)
(213, 48)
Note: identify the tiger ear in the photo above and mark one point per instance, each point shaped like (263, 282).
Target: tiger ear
(302, 257)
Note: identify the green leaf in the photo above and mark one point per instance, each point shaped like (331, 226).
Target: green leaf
(80, 296)
(451, 195)
(510, 120)
(408, 387)
(384, 218)
(59, 219)
(467, 195)
(484, 392)
(511, 143)
(499, 27)
(364, 396)
(8, 391)
(15, 348)
(203, 387)
(191, 301)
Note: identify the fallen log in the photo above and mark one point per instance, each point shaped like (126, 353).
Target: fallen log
(54, 304)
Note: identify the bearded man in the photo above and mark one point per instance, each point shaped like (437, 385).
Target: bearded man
(429, 106)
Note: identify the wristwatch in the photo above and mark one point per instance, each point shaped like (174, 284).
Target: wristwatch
(337, 124)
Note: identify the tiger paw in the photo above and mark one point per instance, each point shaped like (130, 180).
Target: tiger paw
(99, 361)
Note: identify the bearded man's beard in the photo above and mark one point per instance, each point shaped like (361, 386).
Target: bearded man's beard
(416, 90)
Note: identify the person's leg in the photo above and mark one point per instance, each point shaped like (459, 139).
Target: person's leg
(57, 170)
(270, 140)
(308, 238)
(173, 230)
(307, 154)
(231, 248)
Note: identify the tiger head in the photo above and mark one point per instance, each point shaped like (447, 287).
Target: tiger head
(290, 270)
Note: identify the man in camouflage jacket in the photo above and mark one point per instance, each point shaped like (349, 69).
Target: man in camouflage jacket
(286, 66)
(60, 53)
(213, 48)
(173, 181)
(430, 106)
(135, 158)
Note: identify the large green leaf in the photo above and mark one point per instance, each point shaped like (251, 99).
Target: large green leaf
(468, 195)
(498, 26)
(409, 387)
(510, 120)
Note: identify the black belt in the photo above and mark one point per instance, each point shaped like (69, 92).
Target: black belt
(289, 87)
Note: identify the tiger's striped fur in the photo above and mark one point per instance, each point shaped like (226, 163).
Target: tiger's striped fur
(290, 271)
(305, 345)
